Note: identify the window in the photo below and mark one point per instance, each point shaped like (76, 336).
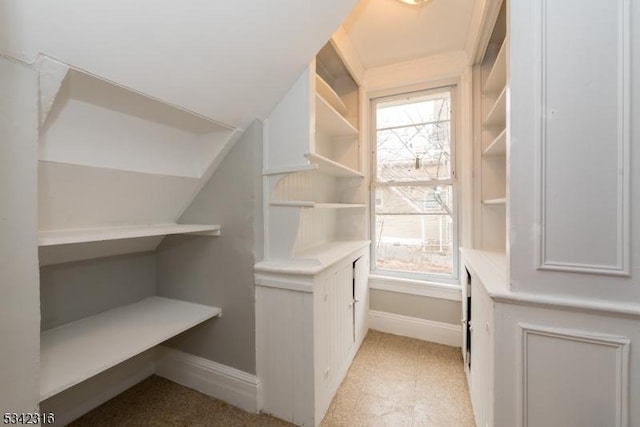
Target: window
(414, 230)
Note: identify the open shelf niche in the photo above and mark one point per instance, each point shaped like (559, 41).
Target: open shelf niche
(116, 171)
(74, 352)
(492, 140)
(318, 200)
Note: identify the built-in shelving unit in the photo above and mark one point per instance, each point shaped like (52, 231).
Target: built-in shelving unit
(113, 188)
(79, 350)
(316, 258)
(491, 80)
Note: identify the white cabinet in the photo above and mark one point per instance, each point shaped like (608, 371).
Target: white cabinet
(555, 310)
(309, 327)
(311, 296)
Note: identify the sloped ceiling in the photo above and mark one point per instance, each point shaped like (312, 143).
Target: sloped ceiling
(230, 61)
(384, 32)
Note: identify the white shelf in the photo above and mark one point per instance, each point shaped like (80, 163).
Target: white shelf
(330, 167)
(328, 94)
(72, 353)
(313, 260)
(312, 204)
(497, 117)
(495, 202)
(65, 237)
(497, 79)
(329, 121)
(498, 146)
(338, 205)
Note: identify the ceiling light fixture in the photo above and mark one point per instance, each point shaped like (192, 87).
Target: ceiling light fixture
(415, 2)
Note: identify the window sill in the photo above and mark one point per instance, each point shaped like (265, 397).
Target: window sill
(416, 287)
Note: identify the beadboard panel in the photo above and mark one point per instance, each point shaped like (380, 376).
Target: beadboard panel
(585, 103)
(573, 378)
(317, 226)
(309, 185)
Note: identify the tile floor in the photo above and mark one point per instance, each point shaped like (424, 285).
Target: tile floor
(397, 381)
(394, 381)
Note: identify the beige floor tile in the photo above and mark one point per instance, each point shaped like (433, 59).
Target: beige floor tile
(426, 417)
(444, 398)
(393, 386)
(375, 411)
(394, 381)
(396, 361)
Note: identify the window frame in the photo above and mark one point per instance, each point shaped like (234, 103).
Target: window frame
(400, 93)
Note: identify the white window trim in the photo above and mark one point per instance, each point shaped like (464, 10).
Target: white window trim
(413, 278)
(452, 292)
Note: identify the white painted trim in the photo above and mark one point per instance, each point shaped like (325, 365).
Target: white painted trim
(620, 343)
(228, 384)
(621, 268)
(483, 20)
(416, 287)
(282, 282)
(422, 72)
(413, 327)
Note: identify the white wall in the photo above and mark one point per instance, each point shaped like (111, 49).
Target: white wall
(231, 61)
(218, 271)
(19, 304)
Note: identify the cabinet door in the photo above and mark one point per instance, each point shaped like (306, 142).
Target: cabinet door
(360, 300)
(340, 311)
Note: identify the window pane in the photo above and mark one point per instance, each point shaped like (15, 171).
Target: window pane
(414, 229)
(436, 200)
(414, 243)
(414, 138)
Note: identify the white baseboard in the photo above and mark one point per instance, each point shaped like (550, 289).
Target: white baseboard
(82, 398)
(230, 385)
(413, 327)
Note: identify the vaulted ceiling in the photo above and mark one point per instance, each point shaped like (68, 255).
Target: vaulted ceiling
(384, 32)
(230, 61)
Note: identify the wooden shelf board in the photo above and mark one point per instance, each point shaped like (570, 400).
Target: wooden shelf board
(497, 79)
(293, 203)
(313, 260)
(331, 167)
(328, 94)
(498, 146)
(329, 121)
(498, 201)
(72, 353)
(289, 169)
(312, 204)
(339, 205)
(70, 236)
(497, 117)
